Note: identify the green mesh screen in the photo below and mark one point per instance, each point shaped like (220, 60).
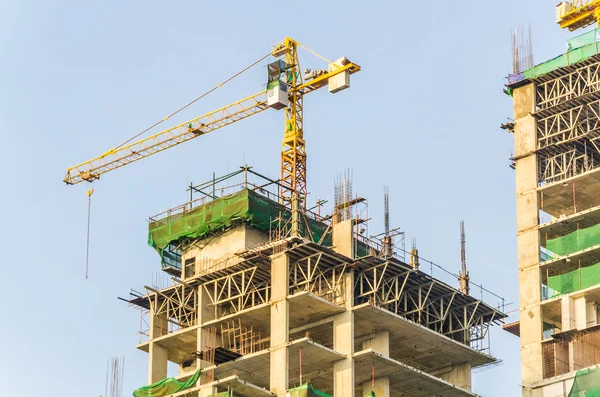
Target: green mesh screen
(586, 384)
(575, 280)
(580, 48)
(306, 391)
(222, 394)
(245, 206)
(576, 241)
(166, 387)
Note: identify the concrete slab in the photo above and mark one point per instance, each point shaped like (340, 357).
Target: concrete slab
(557, 199)
(255, 367)
(258, 317)
(568, 224)
(239, 387)
(567, 263)
(413, 344)
(306, 308)
(404, 380)
(181, 344)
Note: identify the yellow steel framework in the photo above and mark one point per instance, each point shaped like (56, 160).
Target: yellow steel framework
(115, 158)
(293, 148)
(582, 13)
(293, 154)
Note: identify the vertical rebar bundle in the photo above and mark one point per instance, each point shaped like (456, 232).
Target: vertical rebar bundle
(387, 239)
(463, 276)
(342, 196)
(114, 377)
(522, 48)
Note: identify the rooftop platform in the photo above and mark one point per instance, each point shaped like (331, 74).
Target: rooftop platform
(404, 380)
(414, 283)
(413, 344)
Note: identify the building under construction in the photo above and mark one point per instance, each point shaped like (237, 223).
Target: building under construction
(263, 310)
(556, 130)
(270, 297)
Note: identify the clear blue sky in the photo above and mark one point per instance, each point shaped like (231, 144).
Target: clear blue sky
(79, 78)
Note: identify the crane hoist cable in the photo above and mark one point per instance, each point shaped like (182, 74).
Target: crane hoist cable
(87, 251)
(195, 100)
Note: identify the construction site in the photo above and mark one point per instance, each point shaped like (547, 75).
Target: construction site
(271, 296)
(556, 161)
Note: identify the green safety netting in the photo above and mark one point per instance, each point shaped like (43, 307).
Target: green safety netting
(586, 383)
(244, 206)
(575, 280)
(166, 387)
(306, 390)
(576, 241)
(579, 48)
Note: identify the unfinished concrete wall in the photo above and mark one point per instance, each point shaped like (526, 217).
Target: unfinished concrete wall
(218, 251)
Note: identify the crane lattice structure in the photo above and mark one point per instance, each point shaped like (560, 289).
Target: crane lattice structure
(578, 14)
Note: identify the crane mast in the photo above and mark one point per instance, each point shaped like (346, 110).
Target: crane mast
(293, 148)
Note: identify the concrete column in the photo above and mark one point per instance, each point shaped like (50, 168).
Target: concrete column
(567, 313)
(580, 306)
(205, 314)
(157, 355)
(380, 344)
(591, 314)
(459, 375)
(343, 242)
(280, 327)
(528, 242)
(343, 342)
(207, 391)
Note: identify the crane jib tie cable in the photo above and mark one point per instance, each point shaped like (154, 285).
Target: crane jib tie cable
(195, 100)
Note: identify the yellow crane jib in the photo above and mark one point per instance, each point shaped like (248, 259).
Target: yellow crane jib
(118, 157)
(577, 14)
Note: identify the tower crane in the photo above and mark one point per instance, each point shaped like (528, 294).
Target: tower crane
(577, 14)
(286, 88)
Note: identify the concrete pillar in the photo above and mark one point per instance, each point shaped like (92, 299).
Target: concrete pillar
(567, 313)
(591, 314)
(459, 375)
(528, 242)
(207, 391)
(205, 314)
(279, 352)
(380, 344)
(343, 342)
(343, 241)
(157, 355)
(580, 306)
